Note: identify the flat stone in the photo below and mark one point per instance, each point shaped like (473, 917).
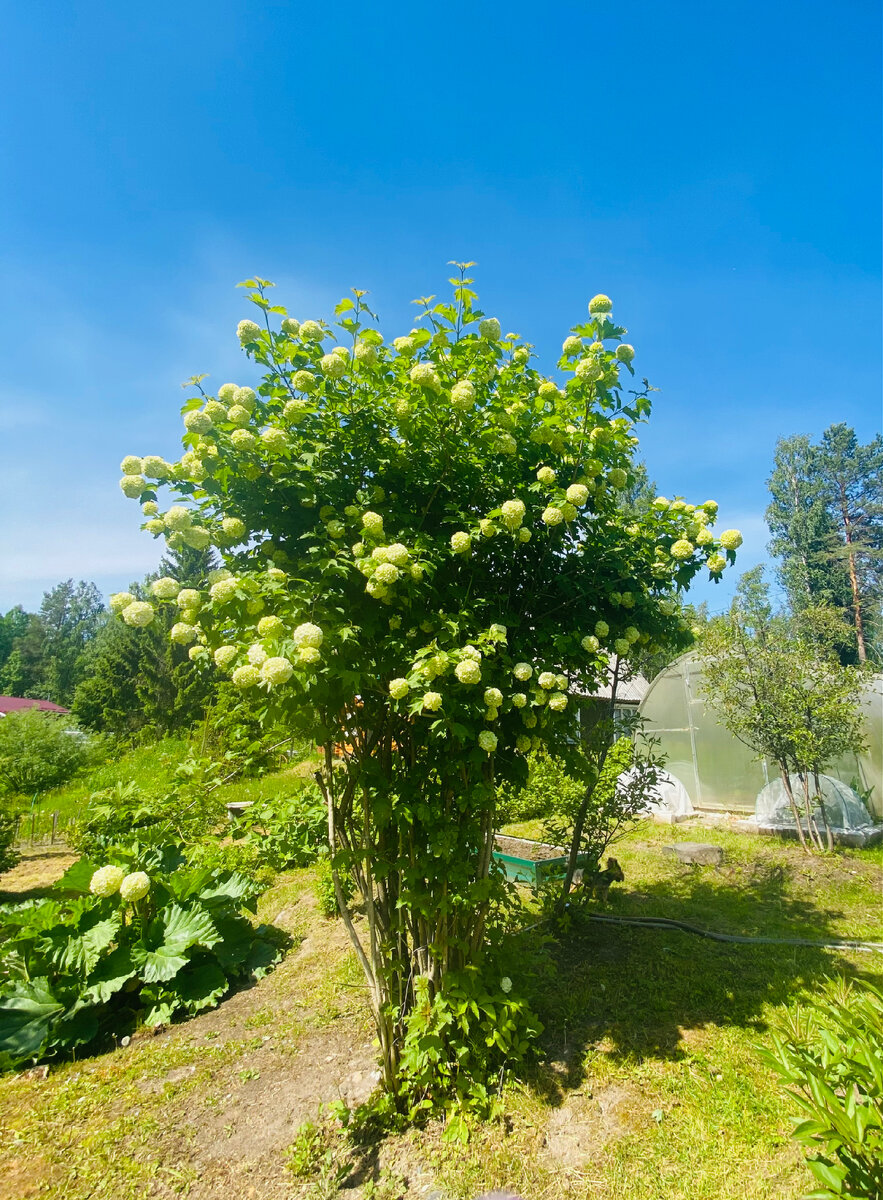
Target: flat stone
(701, 854)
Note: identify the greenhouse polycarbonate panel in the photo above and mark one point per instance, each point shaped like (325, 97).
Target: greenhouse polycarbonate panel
(717, 770)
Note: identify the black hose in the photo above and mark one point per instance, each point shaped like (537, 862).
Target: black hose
(667, 923)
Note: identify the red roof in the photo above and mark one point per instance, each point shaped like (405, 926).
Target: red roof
(10, 704)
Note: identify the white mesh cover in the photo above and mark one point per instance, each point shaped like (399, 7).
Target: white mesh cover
(667, 798)
(843, 808)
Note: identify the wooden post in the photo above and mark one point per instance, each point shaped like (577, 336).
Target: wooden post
(54, 828)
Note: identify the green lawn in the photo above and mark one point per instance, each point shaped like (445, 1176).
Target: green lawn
(646, 1085)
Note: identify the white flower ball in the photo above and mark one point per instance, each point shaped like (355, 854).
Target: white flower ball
(424, 375)
(238, 416)
(233, 528)
(522, 743)
(365, 353)
(519, 699)
(227, 392)
(155, 526)
(276, 670)
(178, 517)
(335, 529)
(506, 444)
(731, 539)
(589, 370)
(274, 440)
(513, 513)
(106, 881)
(491, 714)
(493, 697)
(625, 353)
(403, 345)
(332, 366)
(600, 304)
(568, 511)
(242, 439)
(308, 634)
(716, 563)
(134, 887)
(270, 627)
(470, 652)
(295, 410)
(561, 683)
(487, 527)
(660, 504)
(498, 632)
(119, 601)
(618, 478)
(681, 549)
(305, 381)
(182, 633)
(461, 543)
(546, 475)
(602, 629)
(165, 588)
(524, 535)
(132, 486)
(290, 326)
(487, 741)
(463, 395)
(197, 422)
(622, 646)
(138, 614)
(552, 515)
(577, 494)
(311, 331)
(246, 677)
(399, 688)
(131, 465)
(224, 655)
(247, 331)
(590, 644)
(397, 554)
(522, 671)
(432, 701)
(490, 329)
(529, 720)
(189, 598)
(155, 467)
(309, 655)
(557, 702)
(468, 671)
(572, 345)
(387, 574)
(372, 523)
(546, 680)
(150, 508)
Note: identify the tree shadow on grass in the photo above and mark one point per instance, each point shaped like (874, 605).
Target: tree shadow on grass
(633, 991)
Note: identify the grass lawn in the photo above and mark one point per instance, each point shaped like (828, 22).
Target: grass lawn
(646, 1085)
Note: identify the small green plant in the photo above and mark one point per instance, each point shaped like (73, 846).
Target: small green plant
(9, 856)
(459, 1043)
(830, 1055)
(39, 750)
(287, 831)
(318, 1156)
(190, 809)
(325, 893)
(138, 939)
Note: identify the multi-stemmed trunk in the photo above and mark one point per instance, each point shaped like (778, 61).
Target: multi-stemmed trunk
(418, 875)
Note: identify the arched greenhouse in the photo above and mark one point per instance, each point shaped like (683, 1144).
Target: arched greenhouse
(717, 770)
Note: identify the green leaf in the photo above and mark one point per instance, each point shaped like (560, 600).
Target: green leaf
(163, 952)
(111, 974)
(78, 877)
(201, 986)
(27, 1012)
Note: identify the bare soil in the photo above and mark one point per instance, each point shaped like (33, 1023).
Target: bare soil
(523, 848)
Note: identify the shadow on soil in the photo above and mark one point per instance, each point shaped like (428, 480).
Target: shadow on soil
(633, 990)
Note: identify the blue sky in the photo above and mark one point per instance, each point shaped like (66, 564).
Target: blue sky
(714, 168)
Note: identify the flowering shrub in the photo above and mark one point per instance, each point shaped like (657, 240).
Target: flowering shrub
(136, 940)
(440, 520)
